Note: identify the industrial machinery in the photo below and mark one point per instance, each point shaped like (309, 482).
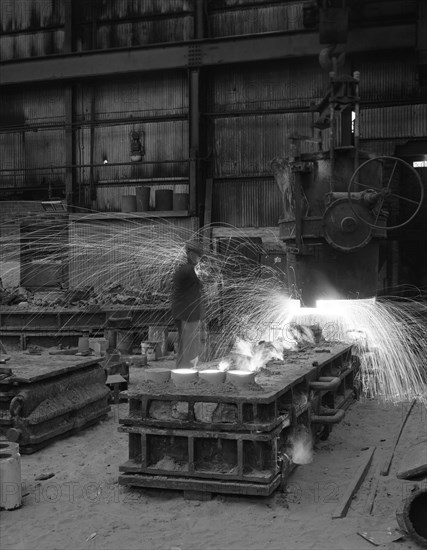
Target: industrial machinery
(334, 220)
(338, 204)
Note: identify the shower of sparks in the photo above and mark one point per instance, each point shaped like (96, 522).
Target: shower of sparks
(389, 337)
(247, 311)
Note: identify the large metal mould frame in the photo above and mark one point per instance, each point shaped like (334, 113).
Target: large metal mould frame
(245, 450)
(39, 405)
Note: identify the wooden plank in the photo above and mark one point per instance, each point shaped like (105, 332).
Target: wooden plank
(187, 484)
(132, 467)
(369, 505)
(414, 462)
(387, 463)
(344, 503)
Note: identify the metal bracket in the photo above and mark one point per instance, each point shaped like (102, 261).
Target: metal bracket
(194, 55)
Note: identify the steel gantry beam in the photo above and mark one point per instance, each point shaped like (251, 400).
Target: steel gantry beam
(212, 52)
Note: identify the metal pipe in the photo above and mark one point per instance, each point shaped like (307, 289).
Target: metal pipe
(65, 166)
(328, 416)
(194, 121)
(325, 383)
(89, 123)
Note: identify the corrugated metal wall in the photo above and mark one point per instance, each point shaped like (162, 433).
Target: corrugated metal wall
(251, 110)
(254, 110)
(142, 104)
(231, 17)
(247, 203)
(388, 76)
(31, 28)
(124, 23)
(393, 103)
(289, 84)
(36, 27)
(400, 121)
(26, 15)
(247, 145)
(144, 32)
(381, 147)
(32, 137)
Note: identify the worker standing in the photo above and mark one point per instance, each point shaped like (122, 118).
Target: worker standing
(187, 306)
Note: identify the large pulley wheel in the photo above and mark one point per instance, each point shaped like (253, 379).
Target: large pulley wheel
(383, 193)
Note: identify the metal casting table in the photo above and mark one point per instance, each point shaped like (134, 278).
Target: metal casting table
(233, 440)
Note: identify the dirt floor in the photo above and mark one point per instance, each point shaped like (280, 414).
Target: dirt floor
(82, 506)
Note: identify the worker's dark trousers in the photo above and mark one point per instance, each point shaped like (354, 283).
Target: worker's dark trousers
(188, 343)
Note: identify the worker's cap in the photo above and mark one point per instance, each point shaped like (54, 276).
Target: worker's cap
(194, 247)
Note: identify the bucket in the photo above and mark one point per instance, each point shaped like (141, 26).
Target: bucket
(83, 344)
(159, 376)
(164, 199)
(183, 377)
(10, 477)
(143, 199)
(129, 203)
(241, 378)
(180, 201)
(214, 377)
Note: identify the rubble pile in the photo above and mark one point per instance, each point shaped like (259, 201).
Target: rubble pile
(114, 294)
